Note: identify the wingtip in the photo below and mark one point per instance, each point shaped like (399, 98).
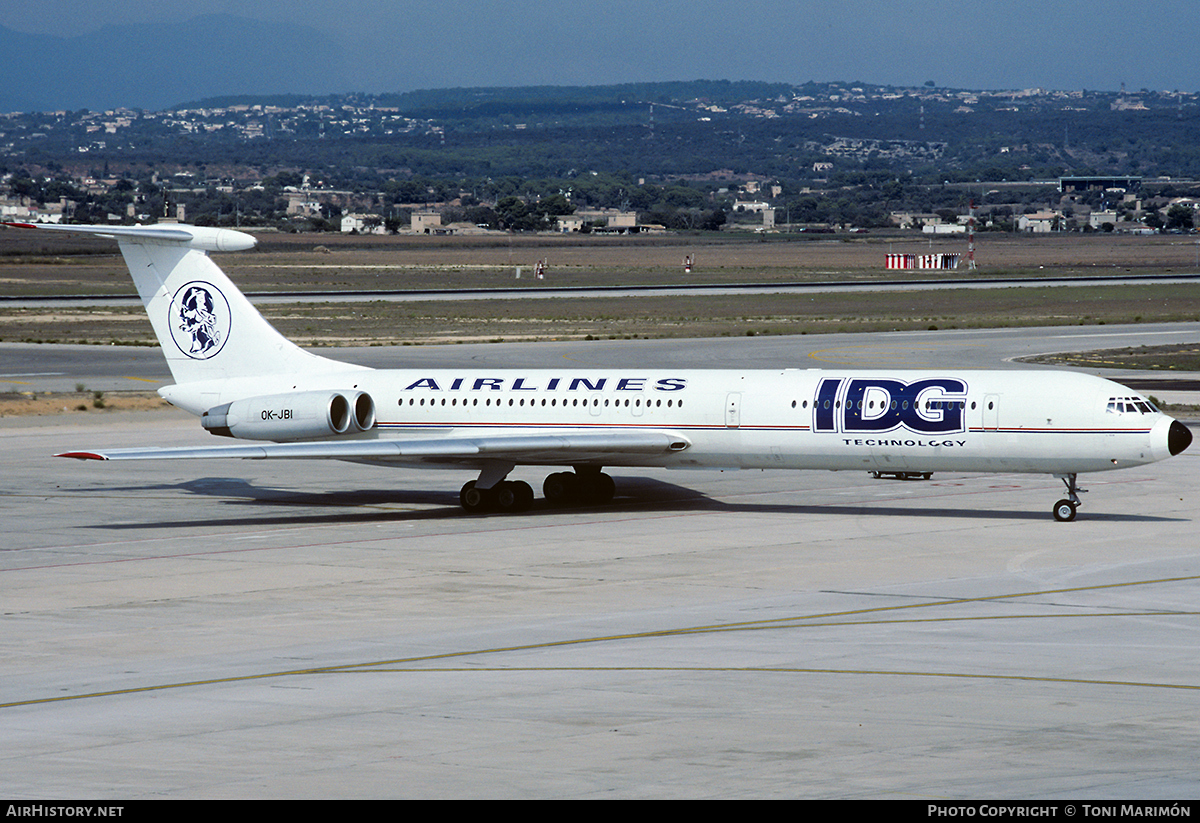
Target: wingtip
(82, 455)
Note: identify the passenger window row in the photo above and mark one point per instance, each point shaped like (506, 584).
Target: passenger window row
(552, 402)
(929, 404)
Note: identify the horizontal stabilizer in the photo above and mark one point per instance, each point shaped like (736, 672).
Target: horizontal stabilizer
(203, 238)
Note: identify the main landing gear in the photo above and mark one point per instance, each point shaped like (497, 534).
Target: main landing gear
(505, 496)
(582, 486)
(1064, 510)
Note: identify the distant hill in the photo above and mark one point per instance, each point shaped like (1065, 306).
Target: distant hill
(817, 134)
(488, 101)
(533, 98)
(158, 66)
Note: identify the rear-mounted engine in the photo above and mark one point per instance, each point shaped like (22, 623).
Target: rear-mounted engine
(299, 416)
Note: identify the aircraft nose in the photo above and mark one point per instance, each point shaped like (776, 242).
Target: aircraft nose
(1179, 437)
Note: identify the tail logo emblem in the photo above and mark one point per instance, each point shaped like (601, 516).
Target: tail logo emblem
(199, 319)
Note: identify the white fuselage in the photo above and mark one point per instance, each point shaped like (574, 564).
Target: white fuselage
(919, 421)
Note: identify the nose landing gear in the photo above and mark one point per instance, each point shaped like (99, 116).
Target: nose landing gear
(1064, 510)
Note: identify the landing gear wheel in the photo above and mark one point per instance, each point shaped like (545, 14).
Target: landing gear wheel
(1064, 511)
(569, 488)
(606, 488)
(514, 496)
(473, 499)
(596, 487)
(561, 488)
(506, 496)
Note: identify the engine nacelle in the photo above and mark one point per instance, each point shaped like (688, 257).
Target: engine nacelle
(297, 416)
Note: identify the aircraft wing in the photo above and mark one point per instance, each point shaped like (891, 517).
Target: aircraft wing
(535, 448)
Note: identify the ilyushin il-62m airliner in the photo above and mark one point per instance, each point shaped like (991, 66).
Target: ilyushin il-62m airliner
(247, 382)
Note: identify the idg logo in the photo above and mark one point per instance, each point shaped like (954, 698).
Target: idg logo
(936, 405)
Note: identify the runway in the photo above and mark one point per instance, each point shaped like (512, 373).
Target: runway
(540, 291)
(42, 368)
(254, 629)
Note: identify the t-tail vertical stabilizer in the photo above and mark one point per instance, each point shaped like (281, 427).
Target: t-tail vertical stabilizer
(207, 328)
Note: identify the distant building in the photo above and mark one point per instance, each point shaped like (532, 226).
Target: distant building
(1098, 218)
(1042, 222)
(24, 210)
(611, 219)
(363, 224)
(462, 228)
(912, 220)
(568, 222)
(426, 222)
(1130, 227)
(302, 203)
(1088, 183)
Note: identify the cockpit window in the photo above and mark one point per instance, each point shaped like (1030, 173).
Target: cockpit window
(1130, 405)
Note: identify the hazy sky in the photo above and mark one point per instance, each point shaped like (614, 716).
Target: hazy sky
(404, 44)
